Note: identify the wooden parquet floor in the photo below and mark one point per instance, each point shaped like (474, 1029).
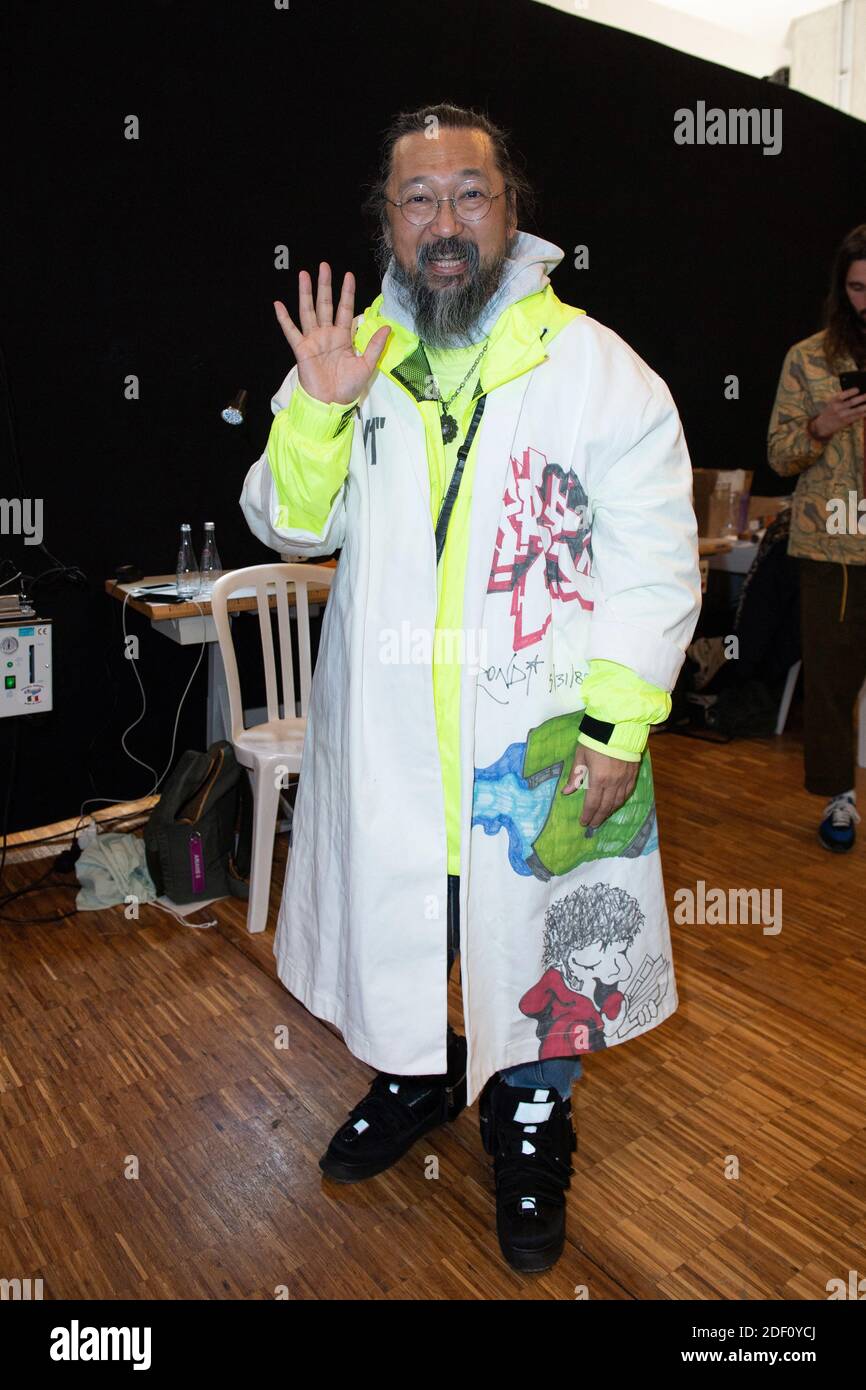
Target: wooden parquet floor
(156, 1143)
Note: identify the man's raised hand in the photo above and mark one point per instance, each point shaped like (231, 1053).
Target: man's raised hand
(328, 368)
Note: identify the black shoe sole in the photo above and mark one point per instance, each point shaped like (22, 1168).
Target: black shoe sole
(340, 1171)
(532, 1261)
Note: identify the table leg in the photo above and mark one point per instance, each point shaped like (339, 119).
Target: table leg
(218, 715)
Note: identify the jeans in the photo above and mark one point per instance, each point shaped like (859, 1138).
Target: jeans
(557, 1073)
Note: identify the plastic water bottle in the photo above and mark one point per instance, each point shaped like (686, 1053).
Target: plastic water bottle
(211, 568)
(187, 567)
(730, 507)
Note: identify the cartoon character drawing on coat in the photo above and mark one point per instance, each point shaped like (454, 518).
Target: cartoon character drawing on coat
(589, 990)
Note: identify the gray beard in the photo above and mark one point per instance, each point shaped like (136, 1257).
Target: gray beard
(448, 316)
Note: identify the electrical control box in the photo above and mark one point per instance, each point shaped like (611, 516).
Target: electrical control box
(25, 667)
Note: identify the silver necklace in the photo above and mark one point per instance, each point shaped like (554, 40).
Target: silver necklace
(448, 423)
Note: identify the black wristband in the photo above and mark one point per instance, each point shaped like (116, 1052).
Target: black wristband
(598, 729)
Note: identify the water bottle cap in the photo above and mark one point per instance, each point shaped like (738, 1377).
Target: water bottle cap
(184, 526)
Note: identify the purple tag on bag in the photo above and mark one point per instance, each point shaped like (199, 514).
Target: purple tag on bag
(196, 864)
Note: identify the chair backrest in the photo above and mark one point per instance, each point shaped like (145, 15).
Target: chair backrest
(270, 581)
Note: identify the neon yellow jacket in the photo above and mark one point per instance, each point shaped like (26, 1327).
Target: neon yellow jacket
(308, 454)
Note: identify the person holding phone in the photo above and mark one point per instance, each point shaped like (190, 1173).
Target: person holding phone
(817, 431)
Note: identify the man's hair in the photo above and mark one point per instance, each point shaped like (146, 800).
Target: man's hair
(520, 195)
(844, 335)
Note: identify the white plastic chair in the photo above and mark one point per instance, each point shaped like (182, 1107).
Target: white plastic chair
(278, 742)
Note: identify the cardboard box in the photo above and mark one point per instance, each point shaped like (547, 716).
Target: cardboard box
(767, 507)
(710, 491)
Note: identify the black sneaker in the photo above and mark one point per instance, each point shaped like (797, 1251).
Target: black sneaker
(528, 1131)
(395, 1112)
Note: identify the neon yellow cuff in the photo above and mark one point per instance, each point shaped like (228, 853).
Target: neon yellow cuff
(617, 695)
(308, 454)
(316, 420)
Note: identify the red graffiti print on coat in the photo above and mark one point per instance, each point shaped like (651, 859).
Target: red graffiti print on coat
(543, 544)
(567, 1022)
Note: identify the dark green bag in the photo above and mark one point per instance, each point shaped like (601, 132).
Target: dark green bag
(190, 835)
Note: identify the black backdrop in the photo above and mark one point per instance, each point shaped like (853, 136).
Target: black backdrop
(257, 127)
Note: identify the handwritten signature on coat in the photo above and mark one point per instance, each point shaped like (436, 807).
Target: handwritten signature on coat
(498, 681)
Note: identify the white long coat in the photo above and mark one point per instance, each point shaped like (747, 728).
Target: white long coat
(583, 543)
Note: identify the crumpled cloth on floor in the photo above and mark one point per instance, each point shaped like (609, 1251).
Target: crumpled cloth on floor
(111, 869)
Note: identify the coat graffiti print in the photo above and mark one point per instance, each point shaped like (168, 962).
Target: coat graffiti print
(582, 544)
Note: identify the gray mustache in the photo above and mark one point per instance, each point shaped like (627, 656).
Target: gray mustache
(448, 251)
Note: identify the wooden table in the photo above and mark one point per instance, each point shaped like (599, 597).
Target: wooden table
(714, 545)
(190, 624)
(729, 555)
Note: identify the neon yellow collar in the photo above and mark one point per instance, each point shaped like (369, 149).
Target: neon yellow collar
(518, 340)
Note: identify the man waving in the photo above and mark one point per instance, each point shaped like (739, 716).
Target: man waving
(510, 491)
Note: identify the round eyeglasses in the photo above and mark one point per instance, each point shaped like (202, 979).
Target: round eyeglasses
(470, 201)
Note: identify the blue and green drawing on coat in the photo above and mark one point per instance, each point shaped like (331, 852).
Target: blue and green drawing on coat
(521, 793)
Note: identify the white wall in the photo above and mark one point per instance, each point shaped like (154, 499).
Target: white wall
(755, 37)
(824, 43)
(756, 55)
(858, 80)
(814, 51)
